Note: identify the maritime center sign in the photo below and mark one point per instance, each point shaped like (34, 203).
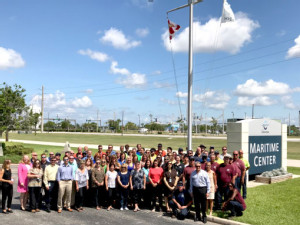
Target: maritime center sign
(265, 145)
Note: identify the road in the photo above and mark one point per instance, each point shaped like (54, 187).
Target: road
(88, 216)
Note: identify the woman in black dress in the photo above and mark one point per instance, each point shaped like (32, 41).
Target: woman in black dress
(7, 186)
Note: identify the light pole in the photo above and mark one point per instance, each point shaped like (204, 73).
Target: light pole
(191, 4)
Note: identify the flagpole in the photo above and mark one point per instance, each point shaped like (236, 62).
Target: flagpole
(190, 79)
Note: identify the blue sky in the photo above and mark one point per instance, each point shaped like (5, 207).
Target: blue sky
(114, 56)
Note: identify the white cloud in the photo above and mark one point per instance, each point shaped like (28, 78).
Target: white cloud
(118, 40)
(231, 36)
(260, 100)
(134, 80)
(115, 70)
(99, 56)
(270, 87)
(162, 85)
(294, 51)
(181, 94)
(172, 102)
(288, 102)
(9, 58)
(83, 102)
(51, 101)
(142, 32)
(213, 99)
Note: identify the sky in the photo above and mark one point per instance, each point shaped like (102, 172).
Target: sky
(99, 58)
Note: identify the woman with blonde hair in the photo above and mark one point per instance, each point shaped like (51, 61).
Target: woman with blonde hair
(123, 181)
(213, 187)
(23, 168)
(7, 186)
(34, 185)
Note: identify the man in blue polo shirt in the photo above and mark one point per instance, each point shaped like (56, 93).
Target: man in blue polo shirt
(64, 179)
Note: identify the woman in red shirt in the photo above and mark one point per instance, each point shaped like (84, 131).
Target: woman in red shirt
(155, 178)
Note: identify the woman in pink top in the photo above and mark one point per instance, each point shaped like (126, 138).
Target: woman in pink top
(23, 168)
(155, 178)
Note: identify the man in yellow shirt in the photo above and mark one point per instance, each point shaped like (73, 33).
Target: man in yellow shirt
(51, 185)
(218, 159)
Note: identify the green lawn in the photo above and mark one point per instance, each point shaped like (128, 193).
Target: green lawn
(294, 170)
(273, 204)
(146, 141)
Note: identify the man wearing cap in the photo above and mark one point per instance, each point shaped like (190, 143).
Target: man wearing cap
(187, 172)
(199, 189)
(225, 174)
(247, 167)
(218, 159)
(51, 185)
(240, 169)
(180, 202)
(57, 158)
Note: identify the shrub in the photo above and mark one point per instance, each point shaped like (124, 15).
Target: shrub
(17, 150)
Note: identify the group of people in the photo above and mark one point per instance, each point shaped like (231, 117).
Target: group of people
(130, 178)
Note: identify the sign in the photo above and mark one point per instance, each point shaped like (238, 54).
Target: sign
(264, 153)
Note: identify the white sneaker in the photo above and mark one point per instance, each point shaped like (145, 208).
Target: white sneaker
(126, 208)
(121, 208)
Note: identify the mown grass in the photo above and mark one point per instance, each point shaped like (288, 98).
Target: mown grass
(294, 170)
(146, 141)
(273, 204)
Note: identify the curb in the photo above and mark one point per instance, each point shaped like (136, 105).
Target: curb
(221, 220)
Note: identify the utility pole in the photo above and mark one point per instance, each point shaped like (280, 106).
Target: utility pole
(97, 119)
(122, 123)
(190, 4)
(223, 121)
(205, 125)
(139, 120)
(252, 111)
(289, 124)
(42, 111)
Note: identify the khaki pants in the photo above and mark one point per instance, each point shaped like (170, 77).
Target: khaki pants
(65, 189)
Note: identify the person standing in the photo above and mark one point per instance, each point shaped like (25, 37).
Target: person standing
(224, 152)
(247, 167)
(82, 184)
(123, 181)
(147, 192)
(51, 185)
(199, 189)
(240, 170)
(34, 185)
(225, 174)
(179, 167)
(111, 185)
(137, 184)
(213, 187)
(187, 172)
(73, 164)
(155, 177)
(65, 179)
(170, 181)
(7, 186)
(23, 168)
(98, 176)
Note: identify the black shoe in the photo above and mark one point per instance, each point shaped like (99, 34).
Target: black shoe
(196, 218)
(204, 219)
(10, 211)
(5, 212)
(48, 210)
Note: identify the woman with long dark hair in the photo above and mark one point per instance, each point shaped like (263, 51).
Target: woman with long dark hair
(155, 177)
(7, 186)
(147, 192)
(137, 184)
(111, 185)
(170, 181)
